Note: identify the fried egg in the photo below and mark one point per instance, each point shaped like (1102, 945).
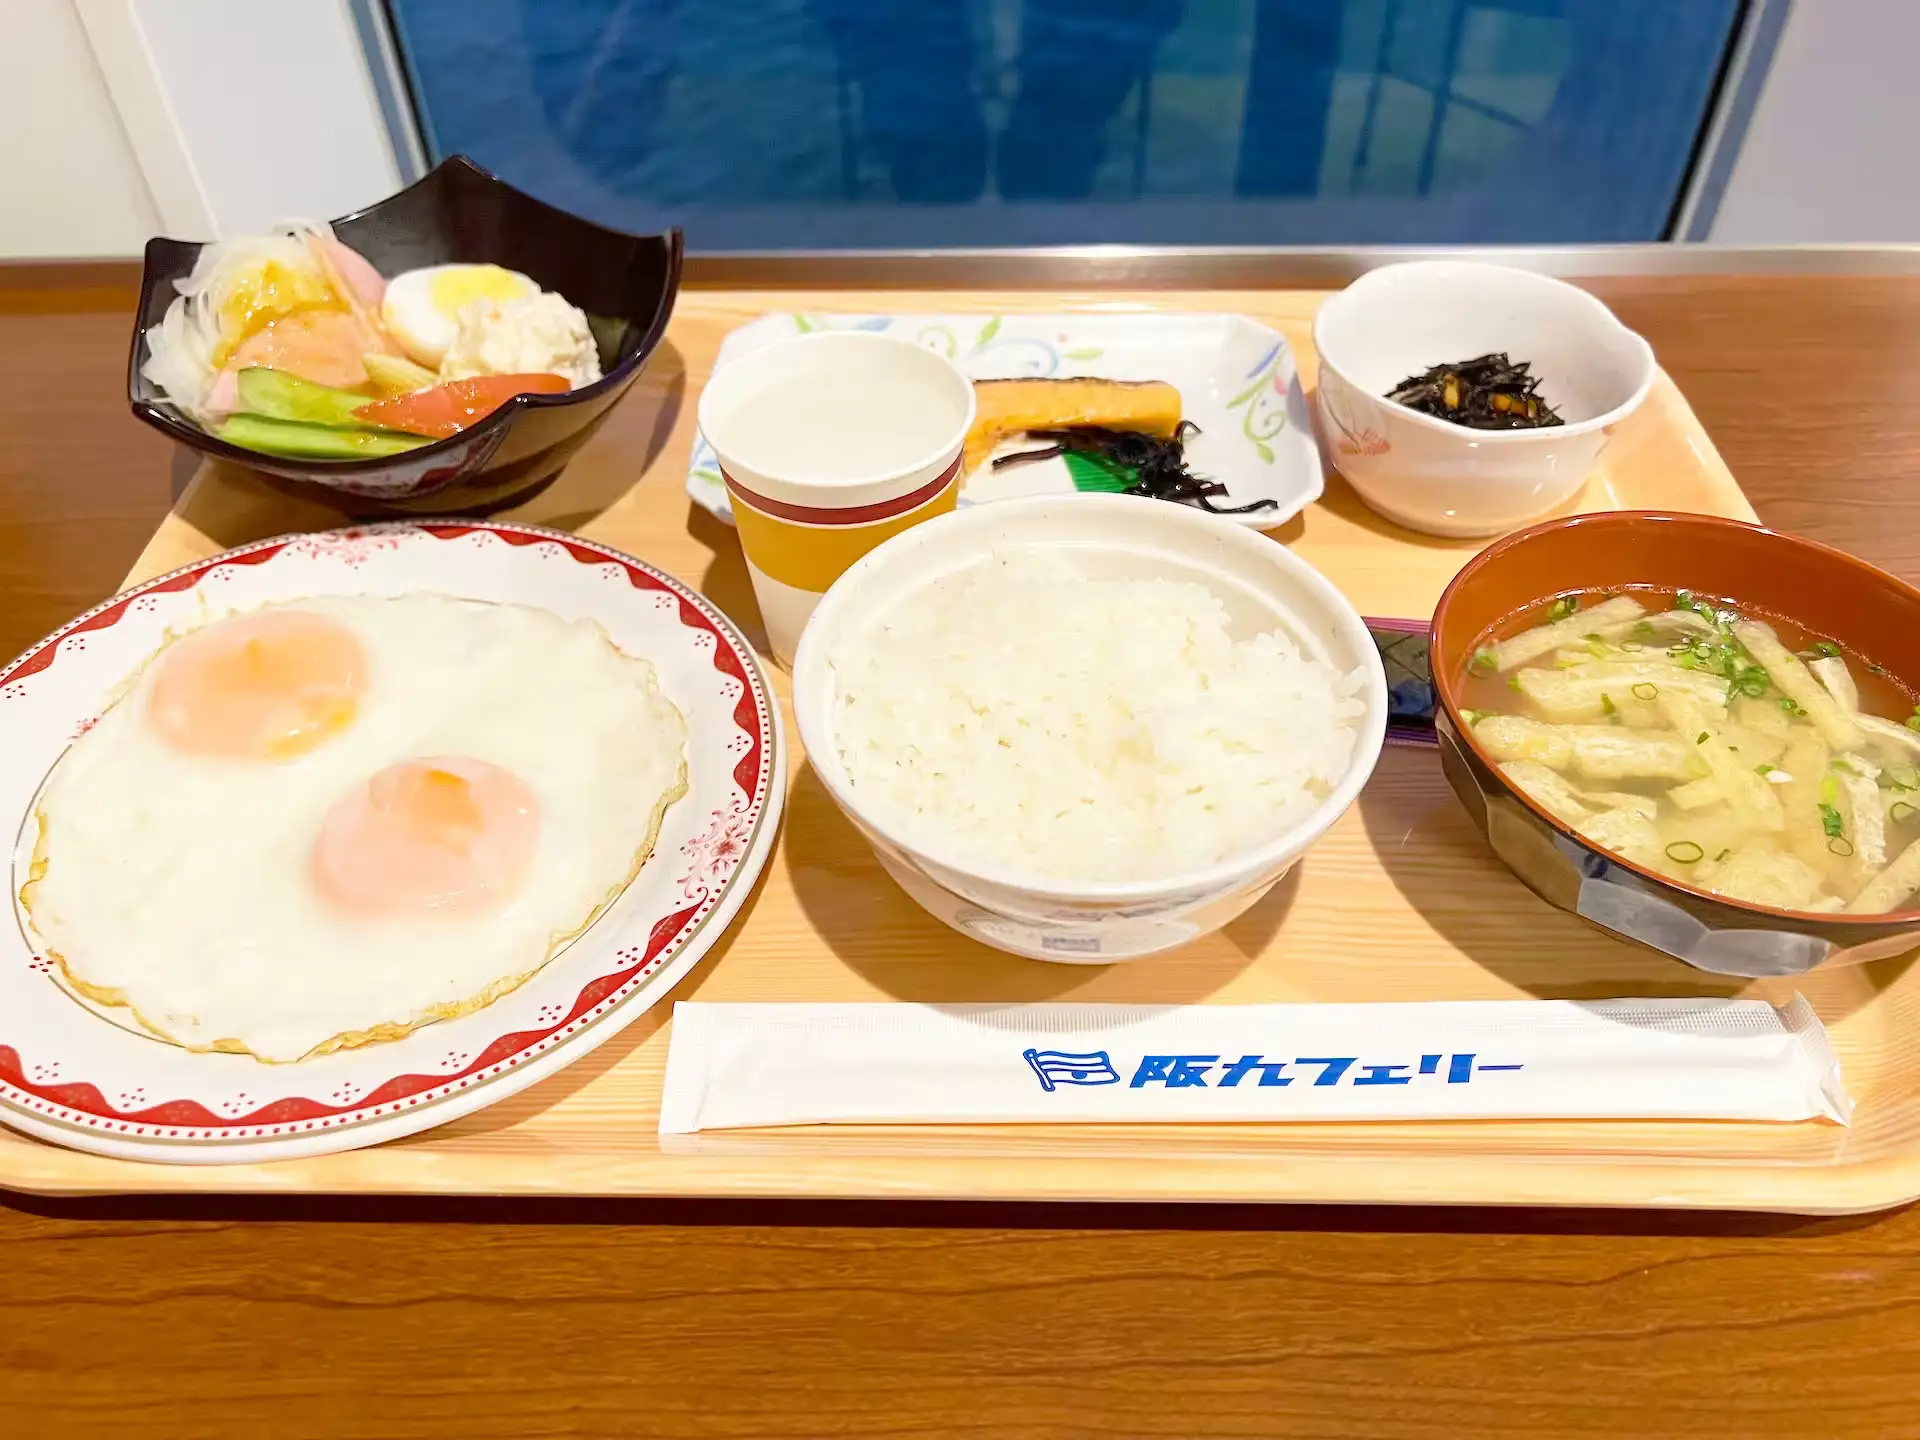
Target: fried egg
(331, 821)
(422, 307)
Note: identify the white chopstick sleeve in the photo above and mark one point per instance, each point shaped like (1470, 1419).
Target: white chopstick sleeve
(732, 1066)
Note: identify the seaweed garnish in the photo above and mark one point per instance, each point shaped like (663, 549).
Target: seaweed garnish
(1159, 465)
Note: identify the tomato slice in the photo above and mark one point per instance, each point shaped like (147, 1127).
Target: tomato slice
(443, 410)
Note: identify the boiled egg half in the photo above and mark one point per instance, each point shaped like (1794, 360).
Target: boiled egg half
(422, 307)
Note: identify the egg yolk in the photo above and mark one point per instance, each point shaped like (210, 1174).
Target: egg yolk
(263, 687)
(457, 286)
(445, 835)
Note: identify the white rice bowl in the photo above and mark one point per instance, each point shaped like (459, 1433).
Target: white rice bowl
(1026, 714)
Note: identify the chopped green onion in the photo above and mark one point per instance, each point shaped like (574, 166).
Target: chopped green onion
(1607, 707)
(1596, 647)
(1873, 669)
(1787, 704)
(1829, 790)
(1751, 681)
(1472, 717)
(1685, 852)
(1840, 846)
(1482, 663)
(1901, 777)
(1842, 766)
(1513, 682)
(1820, 650)
(1721, 856)
(1631, 647)
(1643, 628)
(1701, 738)
(1902, 811)
(1563, 607)
(1763, 769)
(1913, 720)
(1645, 690)
(1831, 821)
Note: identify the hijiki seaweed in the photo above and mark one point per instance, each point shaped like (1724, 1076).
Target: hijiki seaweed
(1159, 465)
(1489, 392)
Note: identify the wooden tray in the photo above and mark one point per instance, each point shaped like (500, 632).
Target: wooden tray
(1401, 901)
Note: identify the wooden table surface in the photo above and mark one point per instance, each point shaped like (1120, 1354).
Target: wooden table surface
(492, 1318)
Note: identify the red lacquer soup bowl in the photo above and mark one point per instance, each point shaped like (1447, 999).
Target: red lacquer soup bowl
(1816, 586)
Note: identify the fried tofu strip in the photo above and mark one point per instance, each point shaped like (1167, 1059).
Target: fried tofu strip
(1514, 737)
(1625, 831)
(1866, 813)
(1547, 787)
(1599, 752)
(1584, 692)
(1805, 765)
(1532, 644)
(1763, 717)
(1832, 673)
(1891, 887)
(1697, 794)
(1890, 735)
(1751, 797)
(1791, 676)
(1763, 874)
(1606, 752)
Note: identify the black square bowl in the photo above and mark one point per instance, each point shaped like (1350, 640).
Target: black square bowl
(459, 213)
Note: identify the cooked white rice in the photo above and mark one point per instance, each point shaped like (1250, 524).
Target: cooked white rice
(1027, 718)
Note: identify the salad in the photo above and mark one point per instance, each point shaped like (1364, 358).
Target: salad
(292, 343)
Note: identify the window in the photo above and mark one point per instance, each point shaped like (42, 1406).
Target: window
(780, 124)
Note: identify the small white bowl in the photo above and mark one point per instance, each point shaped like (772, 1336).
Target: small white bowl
(1264, 587)
(1443, 478)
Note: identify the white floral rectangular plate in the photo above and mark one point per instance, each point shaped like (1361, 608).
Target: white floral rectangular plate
(1236, 378)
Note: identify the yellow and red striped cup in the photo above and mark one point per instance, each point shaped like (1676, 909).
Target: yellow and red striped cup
(830, 443)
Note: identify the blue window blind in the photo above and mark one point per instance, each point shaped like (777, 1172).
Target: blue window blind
(781, 124)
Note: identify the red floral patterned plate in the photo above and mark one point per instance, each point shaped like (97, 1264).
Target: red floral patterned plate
(72, 1077)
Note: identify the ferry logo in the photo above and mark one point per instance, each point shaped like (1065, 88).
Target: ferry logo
(1053, 1068)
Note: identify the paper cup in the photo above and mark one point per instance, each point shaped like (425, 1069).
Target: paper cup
(829, 444)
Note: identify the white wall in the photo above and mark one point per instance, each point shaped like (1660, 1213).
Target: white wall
(124, 119)
(1831, 152)
(298, 137)
(69, 183)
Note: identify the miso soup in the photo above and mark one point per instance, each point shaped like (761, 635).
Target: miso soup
(1737, 753)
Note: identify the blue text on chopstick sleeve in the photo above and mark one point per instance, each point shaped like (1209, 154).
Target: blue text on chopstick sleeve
(1176, 1072)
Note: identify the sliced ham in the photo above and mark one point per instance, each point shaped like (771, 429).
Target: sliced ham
(224, 398)
(354, 273)
(325, 346)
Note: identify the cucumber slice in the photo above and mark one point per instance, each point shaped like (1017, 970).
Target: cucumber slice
(280, 396)
(301, 441)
